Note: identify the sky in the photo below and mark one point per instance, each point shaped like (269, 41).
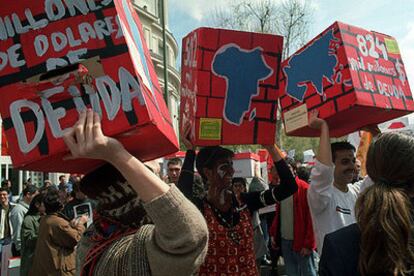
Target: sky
(391, 17)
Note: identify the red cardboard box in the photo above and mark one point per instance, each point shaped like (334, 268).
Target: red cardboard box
(178, 154)
(229, 82)
(102, 63)
(266, 162)
(354, 77)
(3, 143)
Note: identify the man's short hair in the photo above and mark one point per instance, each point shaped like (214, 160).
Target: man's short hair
(5, 183)
(52, 201)
(30, 189)
(208, 156)
(62, 176)
(175, 161)
(337, 146)
(4, 189)
(303, 173)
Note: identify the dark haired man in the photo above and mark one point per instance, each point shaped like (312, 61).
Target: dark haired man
(55, 247)
(331, 195)
(64, 185)
(17, 216)
(5, 225)
(173, 170)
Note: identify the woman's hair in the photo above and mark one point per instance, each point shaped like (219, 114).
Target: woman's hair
(33, 209)
(384, 211)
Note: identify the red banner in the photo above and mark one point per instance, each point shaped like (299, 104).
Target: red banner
(58, 58)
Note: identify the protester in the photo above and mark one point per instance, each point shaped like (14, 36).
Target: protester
(79, 198)
(174, 166)
(239, 186)
(260, 244)
(6, 229)
(8, 185)
(382, 240)
(303, 173)
(75, 178)
(173, 170)
(55, 246)
(17, 216)
(294, 225)
(231, 232)
(266, 220)
(44, 190)
(331, 194)
(64, 196)
(64, 185)
(120, 242)
(30, 232)
(47, 183)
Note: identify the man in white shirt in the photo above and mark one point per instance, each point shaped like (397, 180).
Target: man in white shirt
(331, 195)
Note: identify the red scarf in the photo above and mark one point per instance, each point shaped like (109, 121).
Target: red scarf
(106, 231)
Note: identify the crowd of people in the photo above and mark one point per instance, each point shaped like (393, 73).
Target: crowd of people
(324, 220)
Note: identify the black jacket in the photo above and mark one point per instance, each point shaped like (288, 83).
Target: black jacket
(340, 253)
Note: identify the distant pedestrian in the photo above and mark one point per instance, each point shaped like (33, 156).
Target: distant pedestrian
(17, 216)
(30, 232)
(6, 229)
(55, 247)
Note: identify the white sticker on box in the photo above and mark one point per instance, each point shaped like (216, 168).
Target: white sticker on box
(296, 118)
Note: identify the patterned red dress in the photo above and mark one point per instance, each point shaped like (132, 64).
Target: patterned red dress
(230, 249)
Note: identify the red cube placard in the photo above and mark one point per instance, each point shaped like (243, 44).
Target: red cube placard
(229, 87)
(58, 58)
(4, 151)
(354, 77)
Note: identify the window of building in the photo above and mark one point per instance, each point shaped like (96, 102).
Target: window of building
(155, 44)
(148, 5)
(160, 47)
(157, 4)
(171, 57)
(147, 37)
(174, 110)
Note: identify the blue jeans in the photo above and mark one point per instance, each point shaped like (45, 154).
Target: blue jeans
(5, 241)
(295, 264)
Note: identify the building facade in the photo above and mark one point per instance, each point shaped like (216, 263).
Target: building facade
(150, 15)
